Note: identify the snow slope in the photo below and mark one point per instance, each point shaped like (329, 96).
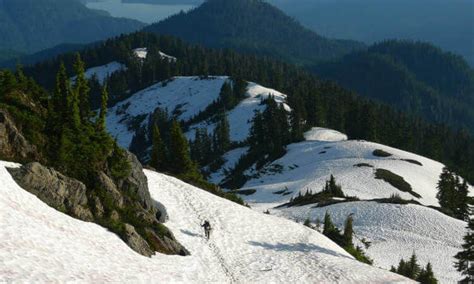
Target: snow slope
(396, 231)
(186, 97)
(240, 118)
(104, 71)
(40, 244)
(307, 166)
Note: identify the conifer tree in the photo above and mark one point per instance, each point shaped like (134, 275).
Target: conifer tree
(222, 135)
(81, 87)
(158, 153)
(348, 231)
(101, 123)
(465, 263)
(453, 194)
(413, 268)
(426, 275)
(180, 157)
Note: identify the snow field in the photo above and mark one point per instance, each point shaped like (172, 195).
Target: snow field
(396, 231)
(40, 244)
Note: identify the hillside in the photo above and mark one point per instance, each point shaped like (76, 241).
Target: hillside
(306, 166)
(414, 77)
(447, 24)
(29, 26)
(253, 27)
(246, 246)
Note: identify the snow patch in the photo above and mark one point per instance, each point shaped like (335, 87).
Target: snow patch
(103, 72)
(324, 134)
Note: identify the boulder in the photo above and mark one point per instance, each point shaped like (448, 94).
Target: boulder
(55, 189)
(13, 145)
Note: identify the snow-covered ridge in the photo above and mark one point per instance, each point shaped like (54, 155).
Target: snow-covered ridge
(104, 71)
(186, 97)
(40, 244)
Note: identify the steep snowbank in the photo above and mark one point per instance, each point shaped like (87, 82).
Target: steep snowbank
(40, 244)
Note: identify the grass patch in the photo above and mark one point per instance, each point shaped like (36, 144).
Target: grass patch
(381, 153)
(396, 181)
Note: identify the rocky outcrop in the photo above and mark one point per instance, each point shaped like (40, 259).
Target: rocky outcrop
(123, 205)
(13, 145)
(55, 189)
(136, 242)
(128, 199)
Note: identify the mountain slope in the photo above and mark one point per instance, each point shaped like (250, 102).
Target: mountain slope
(33, 25)
(245, 246)
(252, 26)
(395, 230)
(447, 24)
(412, 76)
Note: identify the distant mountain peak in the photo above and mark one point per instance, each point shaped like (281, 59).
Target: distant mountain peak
(252, 26)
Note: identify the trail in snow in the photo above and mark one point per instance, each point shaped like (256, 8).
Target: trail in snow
(197, 207)
(40, 244)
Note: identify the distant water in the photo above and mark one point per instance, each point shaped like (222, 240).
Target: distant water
(147, 13)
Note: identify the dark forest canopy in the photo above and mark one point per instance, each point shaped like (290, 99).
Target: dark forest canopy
(412, 76)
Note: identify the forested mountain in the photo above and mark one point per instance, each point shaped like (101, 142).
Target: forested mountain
(32, 25)
(447, 24)
(315, 102)
(415, 77)
(252, 26)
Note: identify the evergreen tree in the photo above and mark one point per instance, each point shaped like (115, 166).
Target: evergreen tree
(328, 224)
(222, 135)
(82, 89)
(158, 153)
(101, 123)
(465, 263)
(227, 96)
(333, 188)
(413, 268)
(453, 194)
(180, 158)
(426, 275)
(348, 232)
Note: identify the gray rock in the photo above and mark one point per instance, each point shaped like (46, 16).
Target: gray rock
(112, 192)
(13, 145)
(166, 244)
(137, 183)
(55, 189)
(136, 242)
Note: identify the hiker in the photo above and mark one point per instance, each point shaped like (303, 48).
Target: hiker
(207, 229)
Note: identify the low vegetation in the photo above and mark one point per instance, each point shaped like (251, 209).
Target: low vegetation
(396, 181)
(381, 153)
